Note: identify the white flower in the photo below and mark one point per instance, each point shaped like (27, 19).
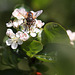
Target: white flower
(18, 34)
(71, 36)
(10, 24)
(71, 42)
(14, 45)
(33, 34)
(20, 21)
(25, 28)
(16, 23)
(39, 23)
(14, 41)
(36, 30)
(33, 31)
(39, 34)
(19, 13)
(23, 36)
(9, 42)
(26, 31)
(10, 33)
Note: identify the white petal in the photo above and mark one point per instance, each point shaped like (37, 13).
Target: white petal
(39, 23)
(9, 24)
(72, 43)
(37, 30)
(10, 33)
(71, 35)
(23, 11)
(15, 24)
(24, 36)
(33, 34)
(14, 45)
(17, 14)
(9, 42)
(20, 42)
(12, 36)
(39, 34)
(69, 32)
(18, 34)
(20, 21)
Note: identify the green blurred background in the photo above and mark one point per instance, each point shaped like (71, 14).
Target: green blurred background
(60, 11)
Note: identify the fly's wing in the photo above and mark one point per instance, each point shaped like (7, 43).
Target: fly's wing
(36, 14)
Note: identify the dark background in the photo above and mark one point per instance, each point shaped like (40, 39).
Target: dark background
(60, 11)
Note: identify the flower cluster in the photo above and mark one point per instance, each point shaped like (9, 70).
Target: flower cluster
(23, 31)
(71, 36)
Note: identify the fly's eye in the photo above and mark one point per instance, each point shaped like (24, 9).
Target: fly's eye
(29, 14)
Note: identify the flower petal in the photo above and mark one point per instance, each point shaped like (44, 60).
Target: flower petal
(37, 30)
(20, 42)
(15, 24)
(20, 21)
(19, 13)
(72, 43)
(33, 34)
(39, 34)
(23, 11)
(24, 36)
(39, 23)
(9, 42)
(71, 35)
(14, 45)
(10, 33)
(9, 24)
(18, 34)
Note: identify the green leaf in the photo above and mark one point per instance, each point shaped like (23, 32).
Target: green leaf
(47, 54)
(26, 43)
(54, 33)
(44, 58)
(23, 65)
(34, 48)
(35, 45)
(9, 59)
(3, 67)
